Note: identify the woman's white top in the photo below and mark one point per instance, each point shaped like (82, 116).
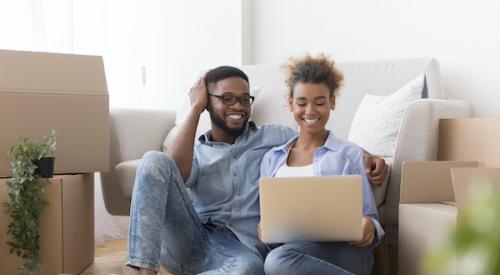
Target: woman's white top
(294, 171)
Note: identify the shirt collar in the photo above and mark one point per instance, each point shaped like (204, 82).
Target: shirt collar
(205, 138)
(285, 147)
(332, 143)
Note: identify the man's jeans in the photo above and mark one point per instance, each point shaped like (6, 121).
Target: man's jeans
(165, 227)
(319, 258)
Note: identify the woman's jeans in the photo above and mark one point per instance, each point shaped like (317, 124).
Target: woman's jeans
(165, 227)
(319, 258)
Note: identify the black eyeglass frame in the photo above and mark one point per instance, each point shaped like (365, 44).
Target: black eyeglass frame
(232, 99)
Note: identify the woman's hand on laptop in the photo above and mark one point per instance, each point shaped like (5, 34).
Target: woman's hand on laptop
(368, 233)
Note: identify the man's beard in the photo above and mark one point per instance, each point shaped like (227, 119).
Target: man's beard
(219, 122)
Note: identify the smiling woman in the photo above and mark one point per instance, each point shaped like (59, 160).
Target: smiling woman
(313, 83)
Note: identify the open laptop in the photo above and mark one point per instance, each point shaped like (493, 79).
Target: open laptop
(327, 208)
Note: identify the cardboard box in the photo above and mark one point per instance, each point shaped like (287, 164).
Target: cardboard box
(434, 194)
(426, 210)
(465, 139)
(67, 226)
(68, 93)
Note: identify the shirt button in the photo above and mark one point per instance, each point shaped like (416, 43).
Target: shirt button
(234, 156)
(235, 174)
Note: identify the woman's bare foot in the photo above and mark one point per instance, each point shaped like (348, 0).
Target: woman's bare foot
(145, 271)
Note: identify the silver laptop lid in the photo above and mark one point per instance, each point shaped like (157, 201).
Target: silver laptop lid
(327, 208)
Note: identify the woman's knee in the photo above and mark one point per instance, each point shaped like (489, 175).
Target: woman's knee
(277, 261)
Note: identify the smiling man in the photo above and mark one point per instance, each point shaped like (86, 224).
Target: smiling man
(214, 228)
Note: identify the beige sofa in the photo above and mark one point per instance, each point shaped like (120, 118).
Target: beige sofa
(133, 132)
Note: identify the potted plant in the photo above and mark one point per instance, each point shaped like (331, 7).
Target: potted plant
(25, 205)
(45, 161)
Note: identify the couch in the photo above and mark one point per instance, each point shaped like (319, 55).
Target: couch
(133, 132)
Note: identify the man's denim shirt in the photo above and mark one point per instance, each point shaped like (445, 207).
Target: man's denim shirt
(224, 180)
(336, 157)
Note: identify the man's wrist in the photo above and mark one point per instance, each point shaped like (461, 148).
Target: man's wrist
(197, 109)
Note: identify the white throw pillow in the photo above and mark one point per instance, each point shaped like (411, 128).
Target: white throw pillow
(376, 124)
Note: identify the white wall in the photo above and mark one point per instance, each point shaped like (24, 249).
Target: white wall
(183, 39)
(153, 49)
(462, 34)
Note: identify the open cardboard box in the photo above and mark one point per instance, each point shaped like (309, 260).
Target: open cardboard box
(66, 227)
(434, 197)
(44, 91)
(470, 139)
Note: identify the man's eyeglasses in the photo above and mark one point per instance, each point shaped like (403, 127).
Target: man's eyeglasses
(230, 99)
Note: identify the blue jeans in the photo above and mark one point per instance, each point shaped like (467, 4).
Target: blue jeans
(164, 227)
(319, 258)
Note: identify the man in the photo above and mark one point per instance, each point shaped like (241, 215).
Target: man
(214, 229)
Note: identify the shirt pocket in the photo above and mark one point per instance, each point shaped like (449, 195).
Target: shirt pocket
(214, 187)
(331, 167)
(252, 160)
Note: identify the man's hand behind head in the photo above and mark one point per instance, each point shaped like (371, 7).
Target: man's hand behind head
(198, 95)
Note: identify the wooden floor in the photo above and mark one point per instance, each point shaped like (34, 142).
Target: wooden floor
(110, 259)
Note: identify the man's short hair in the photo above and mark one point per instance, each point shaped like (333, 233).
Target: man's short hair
(215, 75)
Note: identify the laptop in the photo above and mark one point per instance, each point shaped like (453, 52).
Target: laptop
(326, 208)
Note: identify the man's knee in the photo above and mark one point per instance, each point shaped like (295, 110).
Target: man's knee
(151, 158)
(157, 165)
(251, 266)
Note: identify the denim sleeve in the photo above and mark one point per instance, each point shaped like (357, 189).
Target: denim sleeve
(290, 133)
(369, 206)
(193, 176)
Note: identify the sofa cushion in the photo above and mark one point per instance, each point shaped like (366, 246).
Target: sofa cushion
(125, 175)
(380, 191)
(376, 123)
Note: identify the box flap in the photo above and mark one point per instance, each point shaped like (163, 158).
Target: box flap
(49, 73)
(465, 139)
(44, 91)
(429, 181)
(465, 179)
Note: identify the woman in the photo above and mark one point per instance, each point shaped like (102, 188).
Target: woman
(313, 84)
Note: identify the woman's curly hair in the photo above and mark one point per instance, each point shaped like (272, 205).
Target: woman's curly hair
(309, 69)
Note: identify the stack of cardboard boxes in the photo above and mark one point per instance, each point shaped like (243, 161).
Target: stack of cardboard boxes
(434, 194)
(68, 93)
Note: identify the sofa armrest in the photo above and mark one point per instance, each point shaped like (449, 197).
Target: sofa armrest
(417, 140)
(125, 175)
(133, 132)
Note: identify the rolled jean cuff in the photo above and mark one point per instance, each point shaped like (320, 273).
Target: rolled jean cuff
(136, 263)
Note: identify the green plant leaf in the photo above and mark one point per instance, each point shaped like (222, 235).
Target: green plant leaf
(25, 206)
